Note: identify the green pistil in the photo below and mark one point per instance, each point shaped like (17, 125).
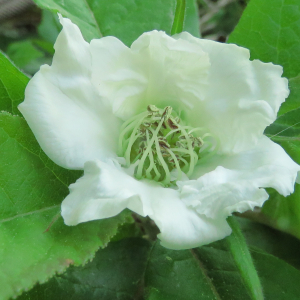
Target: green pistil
(158, 144)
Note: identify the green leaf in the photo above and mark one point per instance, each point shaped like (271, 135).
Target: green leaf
(180, 13)
(31, 190)
(115, 273)
(277, 243)
(126, 19)
(29, 55)
(23, 52)
(242, 257)
(270, 29)
(50, 27)
(280, 280)
(12, 86)
(191, 19)
(284, 213)
(134, 269)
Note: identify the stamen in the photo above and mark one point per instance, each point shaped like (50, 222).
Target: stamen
(163, 163)
(191, 152)
(152, 163)
(126, 128)
(157, 142)
(179, 175)
(140, 166)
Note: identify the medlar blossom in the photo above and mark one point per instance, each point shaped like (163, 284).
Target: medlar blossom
(171, 127)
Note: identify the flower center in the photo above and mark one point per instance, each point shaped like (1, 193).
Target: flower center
(158, 144)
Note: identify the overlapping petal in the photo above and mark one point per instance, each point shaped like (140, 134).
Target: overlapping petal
(103, 192)
(63, 108)
(229, 183)
(243, 96)
(106, 189)
(157, 70)
(76, 106)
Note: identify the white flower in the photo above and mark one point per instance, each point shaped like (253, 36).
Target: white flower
(102, 101)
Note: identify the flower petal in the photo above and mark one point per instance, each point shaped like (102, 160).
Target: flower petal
(231, 183)
(182, 227)
(157, 69)
(243, 96)
(103, 192)
(63, 108)
(106, 189)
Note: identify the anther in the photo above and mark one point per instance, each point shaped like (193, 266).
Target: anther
(156, 142)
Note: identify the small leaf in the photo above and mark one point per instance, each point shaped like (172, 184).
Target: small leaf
(12, 86)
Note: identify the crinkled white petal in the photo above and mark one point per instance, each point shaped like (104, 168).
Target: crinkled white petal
(243, 96)
(157, 69)
(75, 107)
(63, 108)
(103, 192)
(106, 189)
(229, 183)
(182, 227)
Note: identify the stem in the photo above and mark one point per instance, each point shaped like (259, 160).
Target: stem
(243, 260)
(179, 17)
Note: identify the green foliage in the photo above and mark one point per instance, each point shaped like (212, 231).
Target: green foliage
(191, 19)
(29, 55)
(136, 269)
(31, 190)
(49, 27)
(219, 17)
(124, 19)
(241, 255)
(270, 29)
(12, 86)
(35, 244)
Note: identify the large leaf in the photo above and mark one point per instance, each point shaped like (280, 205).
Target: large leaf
(270, 29)
(12, 85)
(134, 269)
(284, 213)
(279, 244)
(125, 19)
(31, 190)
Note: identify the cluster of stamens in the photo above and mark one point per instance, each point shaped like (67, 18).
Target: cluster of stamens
(157, 143)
